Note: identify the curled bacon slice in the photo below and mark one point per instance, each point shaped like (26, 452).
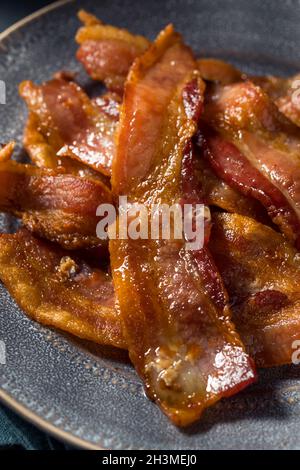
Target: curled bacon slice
(107, 52)
(285, 92)
(257, 152)
(58, 290)
(57, 206)
(64, 122)
(215, 70)
(261, 272)
(173, 307)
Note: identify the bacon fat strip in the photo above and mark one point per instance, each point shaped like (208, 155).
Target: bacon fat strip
(261, 272)
(174, 310)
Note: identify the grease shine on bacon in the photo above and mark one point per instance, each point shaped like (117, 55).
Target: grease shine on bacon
(261, 272)
(64, 122)
(173, 306)
(260, 269)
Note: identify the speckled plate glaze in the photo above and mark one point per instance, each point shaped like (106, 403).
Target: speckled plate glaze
(87, 395)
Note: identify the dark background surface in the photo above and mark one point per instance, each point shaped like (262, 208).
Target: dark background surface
(12, 11)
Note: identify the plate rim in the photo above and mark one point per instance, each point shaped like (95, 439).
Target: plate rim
(44, 425)
(33, 16)
(5, 398)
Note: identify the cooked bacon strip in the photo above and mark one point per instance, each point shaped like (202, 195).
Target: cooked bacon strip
(6, 151)
(215, 70)
(64, 122)
(107, 52)
(59, 291)
(174, 309)
(285, 93)
(57, 206)
(246, 107)
(261, 271)
(260, 153)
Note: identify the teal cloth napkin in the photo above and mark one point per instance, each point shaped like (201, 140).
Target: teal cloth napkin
(15, 432)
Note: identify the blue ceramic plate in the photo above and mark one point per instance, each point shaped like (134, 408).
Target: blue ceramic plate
(87, 395)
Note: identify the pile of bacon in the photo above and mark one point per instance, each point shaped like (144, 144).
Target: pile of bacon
(169, 128)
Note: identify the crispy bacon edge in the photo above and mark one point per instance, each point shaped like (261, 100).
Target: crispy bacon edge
(59, 291)
(107, 52)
